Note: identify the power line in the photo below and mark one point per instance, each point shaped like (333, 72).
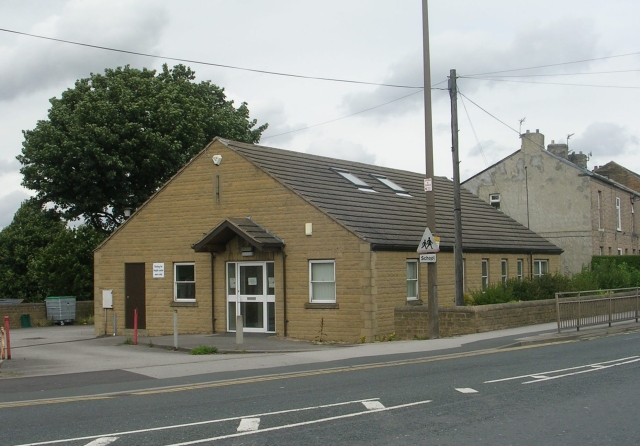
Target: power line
(557, 74)
(557, 64)
(343, 117)
(550, 83)
(211, 64)
(501, 122)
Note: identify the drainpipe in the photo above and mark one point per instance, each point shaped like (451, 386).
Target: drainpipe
(213, 318)
(284, 290)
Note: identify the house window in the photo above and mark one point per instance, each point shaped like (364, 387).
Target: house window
(485, 274)
(618, 215)
(540, 267)
(322, 281)
(599, 210)
(184, 287)
(494, 200)
(619, 251)
(520, 265)
(412, 279)
(601, 250)
(505, 271)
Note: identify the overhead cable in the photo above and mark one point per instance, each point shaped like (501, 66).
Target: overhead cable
(211, 64)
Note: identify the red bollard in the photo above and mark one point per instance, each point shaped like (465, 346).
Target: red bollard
(6, 330)
(135, 327)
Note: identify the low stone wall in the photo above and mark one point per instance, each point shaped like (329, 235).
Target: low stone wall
(411, 322)
(38, 313)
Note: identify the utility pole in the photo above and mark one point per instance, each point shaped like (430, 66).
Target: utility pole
(432, 271)
(457, 210)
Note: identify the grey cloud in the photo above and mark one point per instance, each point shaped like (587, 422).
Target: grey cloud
(9, 204)
(474, 53)
(605, 139)
(341, 149)
(32, 64)
(9, 166)
(275, 115)
(481, 156)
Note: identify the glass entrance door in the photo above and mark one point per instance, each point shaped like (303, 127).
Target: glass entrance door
(251, 293)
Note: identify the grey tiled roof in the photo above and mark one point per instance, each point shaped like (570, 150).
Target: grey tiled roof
(384, 219)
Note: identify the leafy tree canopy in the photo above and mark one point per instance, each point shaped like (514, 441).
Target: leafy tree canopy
(112, 140)
(40, 256)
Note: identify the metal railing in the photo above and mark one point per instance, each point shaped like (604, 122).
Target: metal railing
(578, 309)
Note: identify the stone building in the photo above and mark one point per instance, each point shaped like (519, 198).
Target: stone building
(554, 194)
(619, 174)
(299, 245)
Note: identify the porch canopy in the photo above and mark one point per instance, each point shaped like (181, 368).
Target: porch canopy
(245, 228)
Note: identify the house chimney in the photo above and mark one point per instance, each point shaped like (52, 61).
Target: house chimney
(561, 150)
(532, 142)
(579, 159)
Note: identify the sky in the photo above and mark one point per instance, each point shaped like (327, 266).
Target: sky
(370, 41)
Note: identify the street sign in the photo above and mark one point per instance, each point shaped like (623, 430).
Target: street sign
(428, 184)
(427, 258)
(429, 243)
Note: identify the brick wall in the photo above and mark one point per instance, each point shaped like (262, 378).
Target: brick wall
(38, 313)
(412, 321)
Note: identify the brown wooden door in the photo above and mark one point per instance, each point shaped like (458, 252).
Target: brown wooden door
(134, 294)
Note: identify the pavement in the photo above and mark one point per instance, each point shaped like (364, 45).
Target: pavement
(74, 350)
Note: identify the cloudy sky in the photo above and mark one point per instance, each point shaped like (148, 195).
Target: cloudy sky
(377, 41)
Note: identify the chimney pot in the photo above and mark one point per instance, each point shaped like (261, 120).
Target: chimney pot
(537, 130)
(527, 131)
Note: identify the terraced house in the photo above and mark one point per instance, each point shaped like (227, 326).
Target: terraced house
(552, 192)
(298, 245)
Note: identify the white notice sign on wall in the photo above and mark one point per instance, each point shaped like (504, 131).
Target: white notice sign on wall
(158, 270)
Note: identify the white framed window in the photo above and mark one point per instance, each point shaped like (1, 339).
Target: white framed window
(540, 268)
(412, 279)
(618, 215)
(322, 281)
(619, 251)
(184, 282)
(485, 274)
(505, 271)
(520, 267)
(494, 200)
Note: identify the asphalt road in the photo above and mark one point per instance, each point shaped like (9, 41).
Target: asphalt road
(570, 393)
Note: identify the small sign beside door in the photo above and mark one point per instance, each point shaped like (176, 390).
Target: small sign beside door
(158, 270)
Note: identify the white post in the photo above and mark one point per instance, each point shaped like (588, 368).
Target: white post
(239, 334)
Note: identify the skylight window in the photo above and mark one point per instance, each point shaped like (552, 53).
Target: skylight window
(391, 185)
(363, 186)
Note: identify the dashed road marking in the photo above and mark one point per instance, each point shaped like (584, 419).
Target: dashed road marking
(373, 405)
(248, 425)
(466, 390)
(570, 371)
(104, 441)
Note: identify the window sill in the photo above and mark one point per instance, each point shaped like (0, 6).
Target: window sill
(183, 304)
(415, 302)
(321, 306)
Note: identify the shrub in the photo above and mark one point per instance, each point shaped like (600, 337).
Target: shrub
(203, 350)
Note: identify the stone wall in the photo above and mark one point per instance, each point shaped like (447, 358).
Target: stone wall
(38, 313)
(412, 321)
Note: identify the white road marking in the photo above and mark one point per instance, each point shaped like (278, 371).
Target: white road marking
(373, 405)
(103, 441)
(571, 371)
(198, 423)
(248, 424)
(466, 390)
(303, 423)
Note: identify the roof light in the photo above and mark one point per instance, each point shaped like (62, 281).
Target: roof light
(363, 186)
(391, 185)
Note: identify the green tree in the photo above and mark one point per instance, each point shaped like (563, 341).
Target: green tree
(112, 140)
(40, 256)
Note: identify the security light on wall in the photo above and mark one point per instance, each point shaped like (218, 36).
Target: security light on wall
(217, 159)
